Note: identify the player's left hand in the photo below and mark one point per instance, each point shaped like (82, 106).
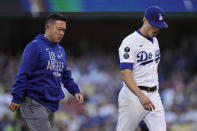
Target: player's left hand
(13, 106)
(79, 97)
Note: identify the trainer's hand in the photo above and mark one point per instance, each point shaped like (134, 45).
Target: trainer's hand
(79, 97)
(13, 106)
(146, 102)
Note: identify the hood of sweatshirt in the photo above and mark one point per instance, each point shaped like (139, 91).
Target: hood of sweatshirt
(46, 41)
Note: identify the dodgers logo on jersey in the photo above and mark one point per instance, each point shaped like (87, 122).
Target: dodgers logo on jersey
(144, 58)
(157, 56)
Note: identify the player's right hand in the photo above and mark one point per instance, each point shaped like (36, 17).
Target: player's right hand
(146, 102)
(13, 106)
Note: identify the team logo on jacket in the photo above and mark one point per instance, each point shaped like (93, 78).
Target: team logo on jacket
(54, 64)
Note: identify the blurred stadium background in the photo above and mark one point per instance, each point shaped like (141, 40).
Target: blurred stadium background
(94, 32)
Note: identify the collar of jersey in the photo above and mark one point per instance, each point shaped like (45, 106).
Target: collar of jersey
(148, 38)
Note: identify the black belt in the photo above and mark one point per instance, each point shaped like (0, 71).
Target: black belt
(148, 89)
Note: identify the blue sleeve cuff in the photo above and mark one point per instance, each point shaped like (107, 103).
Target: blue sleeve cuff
(73, 89)
(126, 65)
(76, 90)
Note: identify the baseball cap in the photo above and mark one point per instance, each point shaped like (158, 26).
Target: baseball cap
(155, 17)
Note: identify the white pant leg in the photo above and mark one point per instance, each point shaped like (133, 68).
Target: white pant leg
(131, 112)
(155, 120)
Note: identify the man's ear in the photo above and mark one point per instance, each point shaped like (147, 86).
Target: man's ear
(144, 20)
(47, 26)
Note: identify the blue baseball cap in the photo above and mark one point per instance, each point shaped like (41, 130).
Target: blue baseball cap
(155, 17)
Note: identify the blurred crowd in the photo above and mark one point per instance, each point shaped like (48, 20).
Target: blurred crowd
(98, 77)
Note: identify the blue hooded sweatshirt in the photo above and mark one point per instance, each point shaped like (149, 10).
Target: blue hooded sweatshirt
(41, 72)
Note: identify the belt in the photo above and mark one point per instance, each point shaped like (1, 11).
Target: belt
(148, 89)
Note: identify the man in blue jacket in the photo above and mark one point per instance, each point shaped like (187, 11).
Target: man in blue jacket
(38, 83)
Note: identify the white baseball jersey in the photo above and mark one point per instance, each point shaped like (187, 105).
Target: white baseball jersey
(142, 56)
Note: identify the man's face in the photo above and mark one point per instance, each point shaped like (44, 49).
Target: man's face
(152, 31)
(56, 31)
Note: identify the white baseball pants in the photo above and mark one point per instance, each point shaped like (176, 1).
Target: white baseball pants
(131, 112)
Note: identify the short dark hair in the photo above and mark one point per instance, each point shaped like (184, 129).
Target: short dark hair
(54, 17)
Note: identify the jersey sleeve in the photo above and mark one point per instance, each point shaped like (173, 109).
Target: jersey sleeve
(126, 55)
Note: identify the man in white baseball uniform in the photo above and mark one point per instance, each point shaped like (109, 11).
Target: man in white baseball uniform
(139, 58)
